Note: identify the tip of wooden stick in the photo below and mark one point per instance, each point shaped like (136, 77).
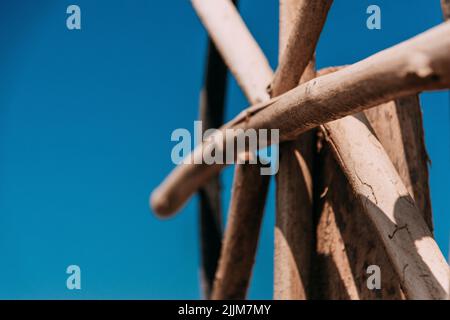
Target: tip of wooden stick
(160, 205)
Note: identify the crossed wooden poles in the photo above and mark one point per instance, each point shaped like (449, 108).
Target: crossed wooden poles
(302, 104)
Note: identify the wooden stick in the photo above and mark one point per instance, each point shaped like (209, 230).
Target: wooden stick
(228, 30)
(242, 233)
(416, 65)
(248, 179)
(299, 20)
(212, 101)
(306, 29)
(415, 256)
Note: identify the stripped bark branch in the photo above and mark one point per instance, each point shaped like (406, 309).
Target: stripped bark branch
(416, 65)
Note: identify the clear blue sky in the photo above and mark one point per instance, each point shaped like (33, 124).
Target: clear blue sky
(85, 124)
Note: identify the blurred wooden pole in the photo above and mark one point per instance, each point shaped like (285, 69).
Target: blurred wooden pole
(242, 233)
(252, 71)
(301, 22)
(212, 103)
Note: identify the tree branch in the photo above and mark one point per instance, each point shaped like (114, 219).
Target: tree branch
(419, 64)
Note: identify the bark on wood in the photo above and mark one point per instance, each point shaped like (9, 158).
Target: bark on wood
(212, 101)
(419, 64)
(415, 256)
(226, 27)
(242, 233)
(299, 20)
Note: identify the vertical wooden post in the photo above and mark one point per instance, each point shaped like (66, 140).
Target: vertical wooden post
(293, 229)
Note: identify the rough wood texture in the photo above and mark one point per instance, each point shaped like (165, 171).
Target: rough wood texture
(398, 126)
(212, 101)
(414, 255)
(242, 233)
(400, 132)
(419, 64)
(293, 229)
(346, 242)
(226, 27)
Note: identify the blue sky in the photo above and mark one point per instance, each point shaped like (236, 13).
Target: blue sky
(85, 124)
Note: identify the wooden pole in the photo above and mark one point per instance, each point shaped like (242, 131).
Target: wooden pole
(300, 20)
(242, 233)
(416, 65)
(231, 37)
(236, 276)
(212, 101)
(415, 256)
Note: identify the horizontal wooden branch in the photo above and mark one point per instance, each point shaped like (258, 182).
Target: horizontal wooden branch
(231, 37)
(416, 65)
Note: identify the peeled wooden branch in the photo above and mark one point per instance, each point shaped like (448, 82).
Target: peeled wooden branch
(239, 245)
(226, 27)
(308, 23)
(417, 260)
(416, 65)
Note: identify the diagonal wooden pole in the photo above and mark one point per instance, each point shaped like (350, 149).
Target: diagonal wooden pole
(249, 188)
